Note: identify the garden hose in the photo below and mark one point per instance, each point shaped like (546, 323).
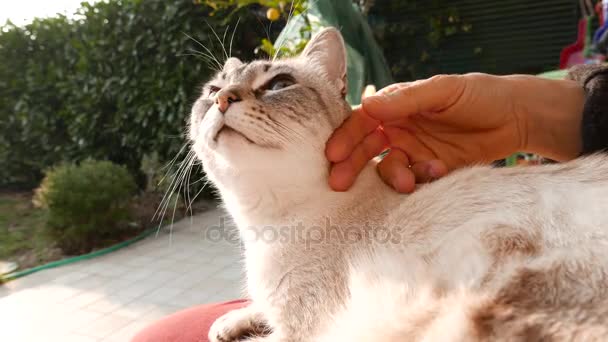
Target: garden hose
(67, 261)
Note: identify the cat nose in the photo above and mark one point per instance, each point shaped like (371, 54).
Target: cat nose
(225, 98)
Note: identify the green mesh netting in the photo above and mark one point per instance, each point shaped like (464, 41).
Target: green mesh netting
(366, 64)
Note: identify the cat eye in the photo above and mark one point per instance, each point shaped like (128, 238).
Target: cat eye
(213, 90)
(279, 82)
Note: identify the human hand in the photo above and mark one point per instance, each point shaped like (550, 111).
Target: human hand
(436, 125)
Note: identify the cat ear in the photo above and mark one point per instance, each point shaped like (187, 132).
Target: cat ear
(232, 63)
(327, 50)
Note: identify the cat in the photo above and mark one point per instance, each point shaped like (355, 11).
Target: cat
(512, 254)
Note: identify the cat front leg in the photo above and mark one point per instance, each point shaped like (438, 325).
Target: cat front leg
(245, 324)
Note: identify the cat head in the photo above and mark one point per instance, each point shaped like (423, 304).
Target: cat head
(267, 120)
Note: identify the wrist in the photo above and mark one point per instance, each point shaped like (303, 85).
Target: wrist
(551, 112)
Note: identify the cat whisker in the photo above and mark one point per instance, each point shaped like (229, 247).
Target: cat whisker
(199, 192)
(170, 163)
(179, 182)
(168, 168)
(232, 37)
(186, 188)
(210, 63)
(289, 18)
(204, 57)
(209, 59)
(176, 181)
(224, 38)
(218, 39)
(293, 133)
(220, 66)
(281, 40)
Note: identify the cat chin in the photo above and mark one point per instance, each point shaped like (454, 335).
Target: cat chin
(234, 158)
(232, 144)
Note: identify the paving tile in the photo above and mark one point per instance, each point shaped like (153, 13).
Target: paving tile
(186, 253)
(127, 332)
(189, 298)
(112, 297)
(32, 280)
(71, 277)
(135, 309)
(148, 284)
(92, 283)
(183, 267)
(53, 293)
(139, 260)
(110, 303)
(220, 297)
(82, 300)
(104, 326)
(136, 290)
(107, 268)
(235, 292)
(191, 279)
(160, 311)
(199, 292)
(79, 318)
(118, 284)
(161, 295)
(163, 263)
(233, 273)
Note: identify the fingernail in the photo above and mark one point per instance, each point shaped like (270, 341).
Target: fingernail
(395, 185)
(398, 183)
(433, 172)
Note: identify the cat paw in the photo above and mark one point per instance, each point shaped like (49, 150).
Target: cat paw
(239, 325)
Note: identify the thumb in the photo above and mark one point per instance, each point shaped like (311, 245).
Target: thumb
(404, 99)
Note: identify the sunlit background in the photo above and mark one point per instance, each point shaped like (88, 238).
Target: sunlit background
(22, 12)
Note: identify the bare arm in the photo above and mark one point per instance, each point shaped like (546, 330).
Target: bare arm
(436, 125)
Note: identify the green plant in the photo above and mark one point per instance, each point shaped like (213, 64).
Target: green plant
(115, 82)
(279, 11)
(88, 203)
(414, 43)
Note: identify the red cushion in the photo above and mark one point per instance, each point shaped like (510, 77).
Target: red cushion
(190, 325)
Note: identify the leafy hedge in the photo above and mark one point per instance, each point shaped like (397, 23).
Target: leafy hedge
(114, 83)
(86, 203)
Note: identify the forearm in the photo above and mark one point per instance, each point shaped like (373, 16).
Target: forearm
(551, 112)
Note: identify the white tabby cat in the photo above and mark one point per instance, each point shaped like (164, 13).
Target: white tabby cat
(483, 254)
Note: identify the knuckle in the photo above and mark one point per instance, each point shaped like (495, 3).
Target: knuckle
(443, 78)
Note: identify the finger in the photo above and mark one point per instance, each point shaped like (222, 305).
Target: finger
(369, 90)
(343, 174)
(394, 171)
(344, 139)
(431, 95)
(407, 142)
(391, 88)
(427, 171)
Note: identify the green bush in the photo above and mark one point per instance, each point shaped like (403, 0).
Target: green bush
(88, 204)
(113, 83)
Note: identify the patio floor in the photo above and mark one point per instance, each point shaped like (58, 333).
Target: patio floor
(112, 297)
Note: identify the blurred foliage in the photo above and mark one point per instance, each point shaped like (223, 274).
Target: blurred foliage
(86, 203)
(116, 82)
(113, 83)
(278, 13)
(425, 31)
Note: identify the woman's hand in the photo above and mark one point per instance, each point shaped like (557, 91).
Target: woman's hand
(436, 125)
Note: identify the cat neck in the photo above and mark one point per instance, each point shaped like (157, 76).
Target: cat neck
(285, 200)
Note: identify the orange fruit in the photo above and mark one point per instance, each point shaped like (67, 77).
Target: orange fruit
(273, 14)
